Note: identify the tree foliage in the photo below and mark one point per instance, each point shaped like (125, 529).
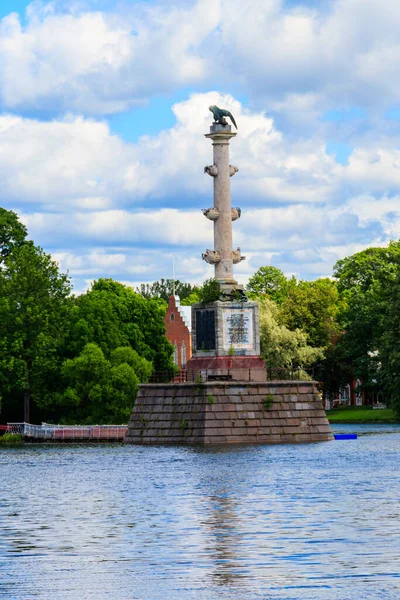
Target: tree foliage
(282, 348)
(368, 279)
(100, 390)
(73, 359)
(164, 288)
(387, 371)
(34, 307)
(111, 314)
(314, 307)
(359, 272)
(12, 233)
(270, 281)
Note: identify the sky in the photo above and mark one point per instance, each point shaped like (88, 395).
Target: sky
(104, 107)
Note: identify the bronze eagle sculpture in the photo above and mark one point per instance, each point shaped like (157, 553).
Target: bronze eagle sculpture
(220, 113)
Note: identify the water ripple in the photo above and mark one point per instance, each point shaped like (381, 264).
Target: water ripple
(258, 522)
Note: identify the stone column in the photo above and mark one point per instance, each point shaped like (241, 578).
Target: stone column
(221, 135)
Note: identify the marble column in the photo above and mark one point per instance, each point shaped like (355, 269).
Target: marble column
(220, 136)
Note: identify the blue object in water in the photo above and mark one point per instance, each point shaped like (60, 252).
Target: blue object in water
(345, 436)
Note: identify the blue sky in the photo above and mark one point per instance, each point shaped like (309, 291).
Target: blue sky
(103, 107)
(8, 6)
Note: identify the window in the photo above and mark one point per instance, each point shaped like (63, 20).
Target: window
(183, 355)
(176, 358)
(172, 317)
(344, 394)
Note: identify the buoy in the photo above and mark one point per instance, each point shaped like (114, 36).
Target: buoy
(345, 436)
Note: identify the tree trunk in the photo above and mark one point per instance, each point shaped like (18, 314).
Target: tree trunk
(27, 406)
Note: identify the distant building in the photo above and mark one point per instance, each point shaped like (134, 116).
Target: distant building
(178, 323)
(351, 394)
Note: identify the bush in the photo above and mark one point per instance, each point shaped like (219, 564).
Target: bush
(11, 438)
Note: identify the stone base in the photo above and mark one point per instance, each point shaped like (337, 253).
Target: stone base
(231, 368)
(221, 413)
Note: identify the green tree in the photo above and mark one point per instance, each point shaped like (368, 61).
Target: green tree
(111, 315)
(387, 372)
(368, 279)
(12, 233)
(164, 288)
(284, 350)
(210, 291)
(314, 307)
(34, 304)
(193, 298)
(358, 272)
(125, 354)
(98, 391)
(270, 281)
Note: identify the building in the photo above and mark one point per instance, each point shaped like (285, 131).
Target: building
(178, 330)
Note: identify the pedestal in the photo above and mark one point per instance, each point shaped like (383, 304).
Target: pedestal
(276, 412)
(226, 342)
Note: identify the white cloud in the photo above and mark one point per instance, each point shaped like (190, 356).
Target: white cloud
(298, 60)
(77, 162)
(107, 207)
(100, 62)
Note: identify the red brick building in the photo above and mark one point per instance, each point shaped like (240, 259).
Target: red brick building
(178, 326)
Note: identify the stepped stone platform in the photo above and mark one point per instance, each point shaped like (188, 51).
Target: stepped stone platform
(211, 413)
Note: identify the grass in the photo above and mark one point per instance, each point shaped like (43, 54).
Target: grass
(11, 438)
(361, 414)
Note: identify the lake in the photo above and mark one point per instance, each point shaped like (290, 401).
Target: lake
(166, 523)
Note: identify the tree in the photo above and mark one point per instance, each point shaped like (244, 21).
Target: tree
(125, 354)
(369, 279)
(98, 391)
(111, 315)
(270, 281)
(165, 288)
(359, 271)
(284, 350)
(388, 370)
(34, 303)
(314, 307)
(193, 298)
(12, 233)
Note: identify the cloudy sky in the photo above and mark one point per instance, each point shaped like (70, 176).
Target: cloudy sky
(103, 107)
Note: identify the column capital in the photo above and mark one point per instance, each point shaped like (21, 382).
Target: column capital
(220, 134)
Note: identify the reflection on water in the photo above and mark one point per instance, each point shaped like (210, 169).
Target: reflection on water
(259, 522)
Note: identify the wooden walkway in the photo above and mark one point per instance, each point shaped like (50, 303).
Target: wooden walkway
(69, 433)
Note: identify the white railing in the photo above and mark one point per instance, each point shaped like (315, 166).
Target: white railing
(69, 432)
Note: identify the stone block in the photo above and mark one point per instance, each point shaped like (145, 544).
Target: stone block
(303, 389)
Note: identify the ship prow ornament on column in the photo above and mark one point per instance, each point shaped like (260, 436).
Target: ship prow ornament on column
(226, 338)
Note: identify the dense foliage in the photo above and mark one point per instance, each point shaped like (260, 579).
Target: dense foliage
(12, 233)
(369, 281)
(285, 351)
(165, 288)
(80, 359)
(34, 308)
(70, 359)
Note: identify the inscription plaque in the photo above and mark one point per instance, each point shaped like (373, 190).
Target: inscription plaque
(205, 330)
(238, 329)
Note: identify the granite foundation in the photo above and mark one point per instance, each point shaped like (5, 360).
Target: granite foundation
(211, 413)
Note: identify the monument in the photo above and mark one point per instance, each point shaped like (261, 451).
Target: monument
(227, 398)
(226, 339)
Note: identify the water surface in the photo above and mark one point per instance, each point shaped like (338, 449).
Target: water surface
(258, 522)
